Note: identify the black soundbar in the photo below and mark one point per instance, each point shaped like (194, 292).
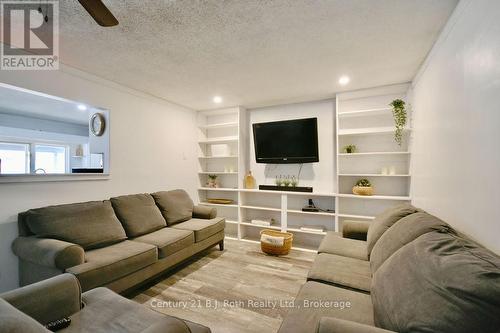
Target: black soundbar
(286, 188)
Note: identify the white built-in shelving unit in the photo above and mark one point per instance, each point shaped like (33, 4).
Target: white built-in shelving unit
(363, 118)
(216, 128)
(230, 126)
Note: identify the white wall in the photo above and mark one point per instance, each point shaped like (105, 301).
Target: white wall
(153, 147)
(318, 175)
(456, 104)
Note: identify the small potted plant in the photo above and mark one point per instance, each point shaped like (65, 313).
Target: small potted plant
(286, 181)
(294, 182)
(399, 114)
(363, 187)
(278, 181)
(212, 181)
(350, 149)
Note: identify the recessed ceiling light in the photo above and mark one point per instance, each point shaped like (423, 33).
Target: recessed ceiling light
(344, 80)
(217, 99)
(82, 107)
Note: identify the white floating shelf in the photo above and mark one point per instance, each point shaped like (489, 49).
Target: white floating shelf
(375, 197)
(204, 203)
(375, 153)
(296, 211)
(231, 222)
(297, 229)
(217, 173)
(212, 141)
(368, 130)
(369, 175)
(249, 224)
(353, 216)
(216, 157)
(310, 194)
(367, 112)
(221, 189)
(262, 208)
(220, 125)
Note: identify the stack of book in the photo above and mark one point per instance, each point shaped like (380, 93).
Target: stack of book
(263, 223)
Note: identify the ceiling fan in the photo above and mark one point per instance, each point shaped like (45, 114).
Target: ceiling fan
(99, 12)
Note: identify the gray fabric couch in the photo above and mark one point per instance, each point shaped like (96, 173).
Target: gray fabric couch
(117, 243)
(407, 271)
(30, 308)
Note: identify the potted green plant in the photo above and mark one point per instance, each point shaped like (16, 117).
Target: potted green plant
(363, 187)
(278, 181)
(212, 181)
(294, 182)
(399, 114)
(349, 149)
(286, 181)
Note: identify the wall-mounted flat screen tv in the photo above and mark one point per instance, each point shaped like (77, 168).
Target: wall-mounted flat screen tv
(290, 141)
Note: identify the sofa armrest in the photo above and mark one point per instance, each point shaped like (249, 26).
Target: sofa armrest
(49, 252)
(355, 229)
(335, 325)
(48, 300)
(204, 212)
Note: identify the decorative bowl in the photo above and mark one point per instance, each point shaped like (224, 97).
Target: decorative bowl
(362, 190)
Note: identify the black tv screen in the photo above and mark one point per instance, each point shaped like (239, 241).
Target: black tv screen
(290, 141)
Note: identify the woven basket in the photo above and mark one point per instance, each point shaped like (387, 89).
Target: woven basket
(362, 190)
(273, 249)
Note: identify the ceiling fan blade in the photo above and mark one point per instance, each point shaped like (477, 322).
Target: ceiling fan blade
(99, 12)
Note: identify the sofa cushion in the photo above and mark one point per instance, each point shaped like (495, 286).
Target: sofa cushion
(14, 321)
(106, 311)
(341, 271)
(335, 244)
(403, 232)
(384, 221)
(168, 240)
(202, 228)
(89, 224)
(110, 263)
(440, 282)
(138, 214)
(176, 206)
(316, 300)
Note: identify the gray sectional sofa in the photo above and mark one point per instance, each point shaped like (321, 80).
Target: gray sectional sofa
(28, 309)
(413, 273)
(117, 243)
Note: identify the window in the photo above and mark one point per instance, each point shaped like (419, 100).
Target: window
(25, 158)
(50, 159)
(14, 158)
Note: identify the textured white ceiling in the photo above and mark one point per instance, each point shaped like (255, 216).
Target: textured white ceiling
(251, 52)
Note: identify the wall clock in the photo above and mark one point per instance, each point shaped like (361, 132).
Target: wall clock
(97, 124)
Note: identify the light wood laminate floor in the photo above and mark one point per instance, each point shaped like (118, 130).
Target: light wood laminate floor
(238, 290)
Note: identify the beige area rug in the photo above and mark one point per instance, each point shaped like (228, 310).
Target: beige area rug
(238, 290)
